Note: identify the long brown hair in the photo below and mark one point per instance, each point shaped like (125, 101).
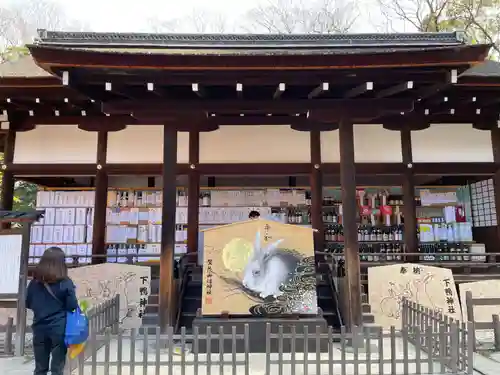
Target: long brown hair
(52, 266)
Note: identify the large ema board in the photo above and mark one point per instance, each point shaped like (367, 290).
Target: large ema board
(431, 287)
(259, 268)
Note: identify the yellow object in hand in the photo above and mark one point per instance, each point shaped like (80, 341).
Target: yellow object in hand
(75, 350)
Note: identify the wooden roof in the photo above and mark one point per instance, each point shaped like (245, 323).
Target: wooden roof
(22, 67)
(20, 216)
(247, 41)
(250, 79)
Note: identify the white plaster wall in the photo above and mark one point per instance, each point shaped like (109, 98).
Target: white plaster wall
(330, 147)
(451, 143)
(255, 144)
(252, 144)
(55, 144)
(374, 144)
(143, 144)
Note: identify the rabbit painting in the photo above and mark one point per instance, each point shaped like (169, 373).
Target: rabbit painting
(268, 268)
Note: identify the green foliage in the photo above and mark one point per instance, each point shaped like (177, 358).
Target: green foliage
(13, 53)
(24, 194)
(479, 20)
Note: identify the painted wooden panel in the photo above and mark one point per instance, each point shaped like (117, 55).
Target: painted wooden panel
(143, 144)
(55, 144)
(255, 144)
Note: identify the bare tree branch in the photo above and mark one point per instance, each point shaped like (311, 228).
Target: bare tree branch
(20, 20)
(199, 21)
(480, 19)
(302, 16)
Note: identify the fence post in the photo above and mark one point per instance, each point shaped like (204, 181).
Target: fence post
(469, 304)
(441, 346)
(404, 312)
(496, 331)
(9, 331)
(116, 314)
(470, 348)
(454, 347)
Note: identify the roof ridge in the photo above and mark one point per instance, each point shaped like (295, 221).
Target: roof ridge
(249, 40)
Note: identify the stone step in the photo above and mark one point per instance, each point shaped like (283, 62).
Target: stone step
(366, 308)
(368, 318)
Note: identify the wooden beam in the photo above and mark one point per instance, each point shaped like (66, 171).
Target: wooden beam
(359, 90)
(239, 90)
(454, 169)
(325, 86)
(349, 209)
(495, 142)
(101, 199)
(272, 77)
(393, 90)
(198, 90)
(152, 88)
(317, 191)
(109, 87)
(193, 191)
(167, 281)
(457, 55)
(279, 90)
(65, 78)
(8, 180)
(279, 169)
(137, 107)
(409, 208)
(432, 90)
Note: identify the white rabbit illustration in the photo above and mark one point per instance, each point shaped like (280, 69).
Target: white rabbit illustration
(268, 269)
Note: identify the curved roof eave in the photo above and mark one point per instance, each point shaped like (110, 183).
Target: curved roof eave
(51, 56)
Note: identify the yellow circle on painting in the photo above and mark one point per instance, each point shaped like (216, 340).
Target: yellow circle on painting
(236, 254)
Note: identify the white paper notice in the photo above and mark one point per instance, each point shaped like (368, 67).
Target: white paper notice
(10, 253)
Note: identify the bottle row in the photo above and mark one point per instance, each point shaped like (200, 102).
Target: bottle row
(441, 252)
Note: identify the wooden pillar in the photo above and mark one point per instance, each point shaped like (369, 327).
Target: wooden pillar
(7, 197)
(167, 282)
(101, 200)
(193, 192)
(352, 289)
(409, 208)
(495, 142)
(317, 191)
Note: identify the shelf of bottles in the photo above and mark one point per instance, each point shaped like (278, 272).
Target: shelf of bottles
(444, 228)
(133, 224)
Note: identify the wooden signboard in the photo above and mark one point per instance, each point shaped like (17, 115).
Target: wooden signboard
(432, 287)
(10, 266)
(100, 282)
(259, 267)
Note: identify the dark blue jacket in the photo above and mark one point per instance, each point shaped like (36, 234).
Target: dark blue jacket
(49, 314)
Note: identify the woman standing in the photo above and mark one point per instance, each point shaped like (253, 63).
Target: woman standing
(51, 294)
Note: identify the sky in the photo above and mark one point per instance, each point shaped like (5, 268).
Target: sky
(135, 16)
(132, 15)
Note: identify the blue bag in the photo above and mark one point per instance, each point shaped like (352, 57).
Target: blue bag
(77, 328)
(77, 324)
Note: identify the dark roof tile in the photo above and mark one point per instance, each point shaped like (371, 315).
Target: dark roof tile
(488, 68)
(249, 40)
(16, 216)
